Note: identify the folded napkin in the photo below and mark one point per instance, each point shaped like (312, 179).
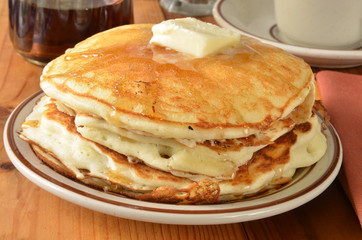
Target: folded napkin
(342, 96)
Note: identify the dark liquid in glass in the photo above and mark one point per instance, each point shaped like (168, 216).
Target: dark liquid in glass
(41, 33)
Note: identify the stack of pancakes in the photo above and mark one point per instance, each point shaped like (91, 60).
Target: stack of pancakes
(155, 124)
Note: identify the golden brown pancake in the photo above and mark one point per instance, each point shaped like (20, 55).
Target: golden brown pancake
(54, 138)
(120, 77)
(155, 124)
(217, 159)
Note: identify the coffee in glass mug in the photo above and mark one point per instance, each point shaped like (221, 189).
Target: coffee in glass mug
(41, 30)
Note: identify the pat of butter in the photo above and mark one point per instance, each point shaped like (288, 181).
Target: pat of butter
(192, 36)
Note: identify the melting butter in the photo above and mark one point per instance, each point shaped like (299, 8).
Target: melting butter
(192, 36)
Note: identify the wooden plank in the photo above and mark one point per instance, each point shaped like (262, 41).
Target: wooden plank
(329, 216)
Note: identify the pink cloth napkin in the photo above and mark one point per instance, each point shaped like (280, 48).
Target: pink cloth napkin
(342, 96)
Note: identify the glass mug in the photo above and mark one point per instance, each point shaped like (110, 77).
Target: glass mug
(41, 30)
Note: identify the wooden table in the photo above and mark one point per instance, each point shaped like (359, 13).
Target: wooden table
(28, 212)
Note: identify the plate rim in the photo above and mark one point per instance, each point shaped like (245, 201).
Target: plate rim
(172, 214)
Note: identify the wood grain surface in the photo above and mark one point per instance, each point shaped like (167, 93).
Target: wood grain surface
(28, 212)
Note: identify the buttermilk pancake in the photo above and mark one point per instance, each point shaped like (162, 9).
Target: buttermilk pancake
(181, 112)
(55, 139)
(242, 90)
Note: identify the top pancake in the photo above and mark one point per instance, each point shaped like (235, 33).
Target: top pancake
(237, 92)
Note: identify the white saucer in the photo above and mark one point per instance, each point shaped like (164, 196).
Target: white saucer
(307, 184)
(255, 18)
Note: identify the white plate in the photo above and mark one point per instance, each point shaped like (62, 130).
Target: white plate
(255, 18)
(308, 183)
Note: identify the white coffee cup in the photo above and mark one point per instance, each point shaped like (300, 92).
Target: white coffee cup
(329, 24)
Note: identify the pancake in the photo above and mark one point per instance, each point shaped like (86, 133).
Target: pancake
(148, 122)
(55, 139)
(122, 78)
(214, 159)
